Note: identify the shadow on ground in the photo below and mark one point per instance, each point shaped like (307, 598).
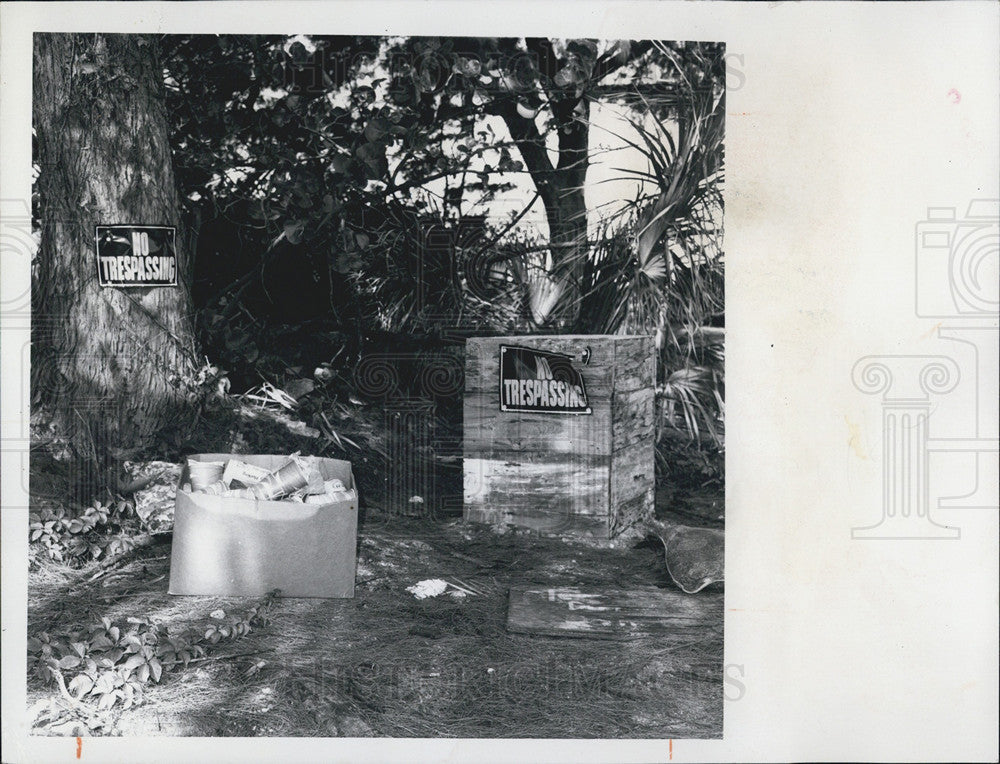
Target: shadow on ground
(388, 664)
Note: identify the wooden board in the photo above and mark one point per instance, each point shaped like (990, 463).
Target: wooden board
(556, 523)
(632, 418)
(488, 429)
(632, 486)
(482, 360)
(635, 363)
(567, 473)
(521, 482)
(612, 613)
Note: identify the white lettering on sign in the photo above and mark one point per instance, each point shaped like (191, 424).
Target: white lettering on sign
(140, 242)
(540, 381)
(136, 256)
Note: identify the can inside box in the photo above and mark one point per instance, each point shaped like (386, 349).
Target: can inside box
(329, 468)
(236, 546)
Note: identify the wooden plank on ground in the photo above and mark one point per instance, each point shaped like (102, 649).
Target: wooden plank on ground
(612, 613)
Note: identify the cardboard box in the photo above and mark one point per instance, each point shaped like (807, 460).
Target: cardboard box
(225, 546)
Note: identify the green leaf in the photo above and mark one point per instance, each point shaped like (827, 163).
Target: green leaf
(341, 163)
(134, 662)
(81, 685)
(107, 700)
(156, 668)
(69, 661)
(101, 642)
(105, 683)
(376, 129)
(143, 673)
(294, 230)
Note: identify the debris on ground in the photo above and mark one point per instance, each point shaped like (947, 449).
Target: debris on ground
(430, 587)
(154, 487)
(389, 665)
(694, 557)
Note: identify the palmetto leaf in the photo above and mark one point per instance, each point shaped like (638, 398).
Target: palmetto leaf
(656, 265)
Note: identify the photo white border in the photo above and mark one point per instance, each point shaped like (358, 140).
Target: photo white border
(842, 129)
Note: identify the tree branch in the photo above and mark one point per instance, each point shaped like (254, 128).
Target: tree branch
(546, 61)
(611, 62)
(530, 143)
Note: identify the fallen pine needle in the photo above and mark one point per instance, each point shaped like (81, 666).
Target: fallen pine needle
(230, 657)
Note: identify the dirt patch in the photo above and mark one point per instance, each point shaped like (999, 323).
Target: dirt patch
(388, 664)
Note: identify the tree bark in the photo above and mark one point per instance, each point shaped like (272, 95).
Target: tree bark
(114, 365)
(561, 186)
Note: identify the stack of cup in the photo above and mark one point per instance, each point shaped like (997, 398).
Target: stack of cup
(288, 479)
(203, 474)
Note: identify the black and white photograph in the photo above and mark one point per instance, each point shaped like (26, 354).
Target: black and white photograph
(508, 381)
(377, 386)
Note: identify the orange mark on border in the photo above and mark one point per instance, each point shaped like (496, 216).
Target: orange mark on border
(932, 332)
(79, 747)
(671, 748)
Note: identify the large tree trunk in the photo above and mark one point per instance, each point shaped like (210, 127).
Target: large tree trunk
(114, 365)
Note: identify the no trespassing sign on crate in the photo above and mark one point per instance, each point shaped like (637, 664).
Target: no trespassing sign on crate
(136, 255)
(539, 381)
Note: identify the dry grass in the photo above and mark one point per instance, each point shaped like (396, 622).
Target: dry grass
(387, 664)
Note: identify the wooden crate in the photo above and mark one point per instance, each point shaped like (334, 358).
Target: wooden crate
(588, 473)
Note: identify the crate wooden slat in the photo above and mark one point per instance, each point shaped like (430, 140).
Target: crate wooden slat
(583, 475)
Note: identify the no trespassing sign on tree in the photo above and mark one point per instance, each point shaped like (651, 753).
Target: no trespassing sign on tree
(136, 255)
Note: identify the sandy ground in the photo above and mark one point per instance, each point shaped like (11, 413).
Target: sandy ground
(388, 664)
